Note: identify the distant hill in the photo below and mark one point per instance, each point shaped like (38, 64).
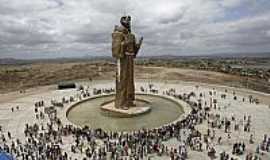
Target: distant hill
(210, 56)
(12, 61)
(241, 55)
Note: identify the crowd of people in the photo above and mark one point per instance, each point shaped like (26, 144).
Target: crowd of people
(46, 141)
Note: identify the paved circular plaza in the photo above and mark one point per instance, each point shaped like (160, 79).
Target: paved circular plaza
(247, 111)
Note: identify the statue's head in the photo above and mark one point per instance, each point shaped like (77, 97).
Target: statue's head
(125, 21)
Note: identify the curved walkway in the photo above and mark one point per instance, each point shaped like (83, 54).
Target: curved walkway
(15, 121)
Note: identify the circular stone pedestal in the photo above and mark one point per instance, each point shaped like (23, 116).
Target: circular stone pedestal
(141, 107)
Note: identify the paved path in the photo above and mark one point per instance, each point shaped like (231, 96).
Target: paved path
(260, 113)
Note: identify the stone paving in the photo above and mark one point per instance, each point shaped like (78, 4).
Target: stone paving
(15, 121)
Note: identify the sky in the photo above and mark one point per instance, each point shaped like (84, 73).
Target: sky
(32, 29)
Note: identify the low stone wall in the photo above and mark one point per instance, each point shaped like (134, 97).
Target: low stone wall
(184, 106)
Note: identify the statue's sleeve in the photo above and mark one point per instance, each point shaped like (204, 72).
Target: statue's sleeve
(130, 44)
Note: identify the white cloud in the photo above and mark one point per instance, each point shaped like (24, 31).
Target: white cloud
(268, 33)
(43, 28)
(232, 3)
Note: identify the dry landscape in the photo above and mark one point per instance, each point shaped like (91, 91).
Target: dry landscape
(18, 77)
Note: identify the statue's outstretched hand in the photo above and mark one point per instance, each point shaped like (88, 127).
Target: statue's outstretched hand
(141, 40)
(138, 46)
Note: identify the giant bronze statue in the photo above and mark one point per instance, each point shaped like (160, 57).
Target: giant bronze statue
(124, 50)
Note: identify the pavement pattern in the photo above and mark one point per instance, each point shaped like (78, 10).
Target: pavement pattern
(15, 121)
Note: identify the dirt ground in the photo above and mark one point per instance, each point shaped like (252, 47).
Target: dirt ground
(20, 77)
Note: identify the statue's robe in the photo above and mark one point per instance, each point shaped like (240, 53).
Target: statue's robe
(124, 49)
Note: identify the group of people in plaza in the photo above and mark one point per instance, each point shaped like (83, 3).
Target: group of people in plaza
(48, 139)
